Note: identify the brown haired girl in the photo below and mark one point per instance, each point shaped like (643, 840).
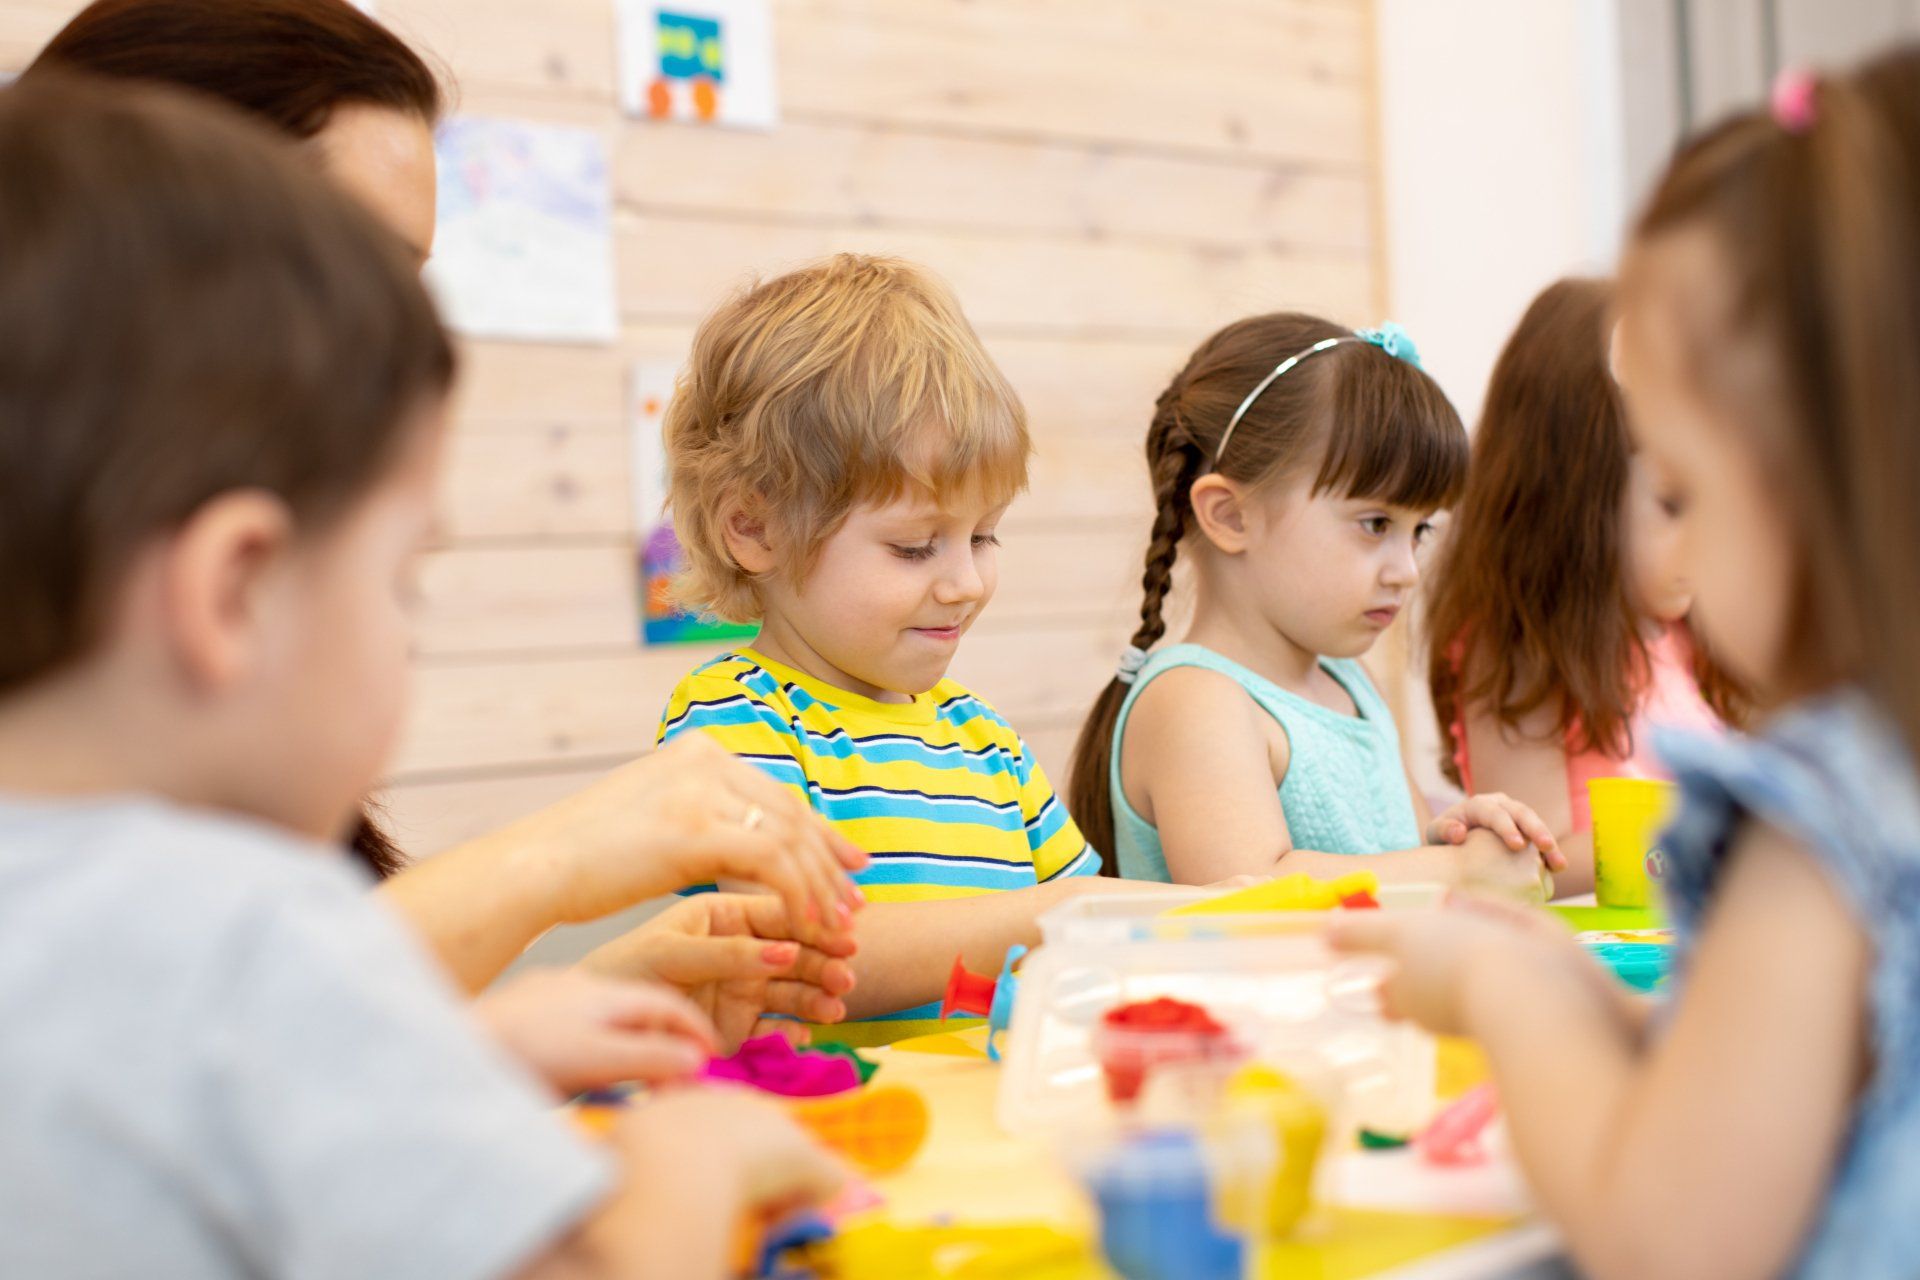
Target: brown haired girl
(1557, 615)
(324, 73)
(1768, 1122)
(1298, 462)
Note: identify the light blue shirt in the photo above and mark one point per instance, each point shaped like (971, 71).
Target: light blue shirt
(1346, 785)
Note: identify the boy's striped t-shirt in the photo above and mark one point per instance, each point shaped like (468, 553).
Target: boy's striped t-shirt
(940, 791)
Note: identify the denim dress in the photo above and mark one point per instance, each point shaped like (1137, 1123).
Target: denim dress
(1833, 775)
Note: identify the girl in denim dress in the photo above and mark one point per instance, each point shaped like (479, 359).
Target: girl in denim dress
(1766, 1120)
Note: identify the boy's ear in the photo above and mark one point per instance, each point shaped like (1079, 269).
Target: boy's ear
(219, 579)
(748, 539)
(1219, 509)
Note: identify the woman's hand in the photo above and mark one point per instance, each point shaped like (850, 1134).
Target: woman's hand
(685, 815)
(577, 1030)
(689, 814)
(737, 958)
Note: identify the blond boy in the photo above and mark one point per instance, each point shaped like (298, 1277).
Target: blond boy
(842, 452)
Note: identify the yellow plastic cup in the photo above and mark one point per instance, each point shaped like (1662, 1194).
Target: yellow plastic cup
(1628, 814)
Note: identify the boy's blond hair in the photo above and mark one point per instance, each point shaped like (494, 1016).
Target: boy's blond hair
(856, 379)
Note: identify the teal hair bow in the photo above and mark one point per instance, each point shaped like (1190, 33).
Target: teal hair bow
(1393, 340)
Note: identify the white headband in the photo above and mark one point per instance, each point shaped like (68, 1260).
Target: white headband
(1389, 337)
(1323, 345)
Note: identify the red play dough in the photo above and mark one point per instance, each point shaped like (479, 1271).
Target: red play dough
(1133, 1039)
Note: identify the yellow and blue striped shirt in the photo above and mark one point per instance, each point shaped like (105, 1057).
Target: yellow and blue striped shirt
(940, 791)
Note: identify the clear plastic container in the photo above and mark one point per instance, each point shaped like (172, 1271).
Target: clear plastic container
(1287, 1000)
(1141, 917)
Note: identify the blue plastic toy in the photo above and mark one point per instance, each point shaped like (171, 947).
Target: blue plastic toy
(793, 1233)
(1156, 1212)
(989, 998)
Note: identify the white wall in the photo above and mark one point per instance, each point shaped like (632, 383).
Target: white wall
(1503, 169)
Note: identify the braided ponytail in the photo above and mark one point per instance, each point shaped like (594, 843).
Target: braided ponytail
(1175, 461)
(1398, 439)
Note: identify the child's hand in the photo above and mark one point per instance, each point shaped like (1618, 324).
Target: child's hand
(735, 956)
(690, 813)
(1557, 944)
(778, 1167)
(1516, 824)
(580, 1031)
(1484, 863)
(1438, 956)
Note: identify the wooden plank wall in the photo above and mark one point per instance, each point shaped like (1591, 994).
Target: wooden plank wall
(1103, 181)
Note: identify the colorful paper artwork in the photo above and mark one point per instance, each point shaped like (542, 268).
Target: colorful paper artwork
(659, 557)
(701, 61)
(525, 243)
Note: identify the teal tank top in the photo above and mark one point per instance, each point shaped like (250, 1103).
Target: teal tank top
(1346, 785)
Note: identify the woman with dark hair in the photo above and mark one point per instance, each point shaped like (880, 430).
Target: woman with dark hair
(322, 72)
(339, 83)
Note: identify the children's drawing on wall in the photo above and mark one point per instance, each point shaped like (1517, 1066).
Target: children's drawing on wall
(525, 244)
(662, 620)
(704, 61)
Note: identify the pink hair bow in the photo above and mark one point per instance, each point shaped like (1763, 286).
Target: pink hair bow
(1793, 99)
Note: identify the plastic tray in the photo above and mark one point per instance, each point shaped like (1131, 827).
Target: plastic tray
(1295, 1004)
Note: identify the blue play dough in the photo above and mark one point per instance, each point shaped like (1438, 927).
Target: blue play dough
(1005, 991)
(1156, 1212)
(1641, 965)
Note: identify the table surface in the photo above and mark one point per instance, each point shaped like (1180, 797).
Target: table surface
(1381, 1214)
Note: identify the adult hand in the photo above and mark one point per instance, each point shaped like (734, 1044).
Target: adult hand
(688, 814)
(737, 958)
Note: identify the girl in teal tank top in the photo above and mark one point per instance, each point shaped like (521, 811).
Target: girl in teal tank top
(1300, 462)
(1345, 789)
